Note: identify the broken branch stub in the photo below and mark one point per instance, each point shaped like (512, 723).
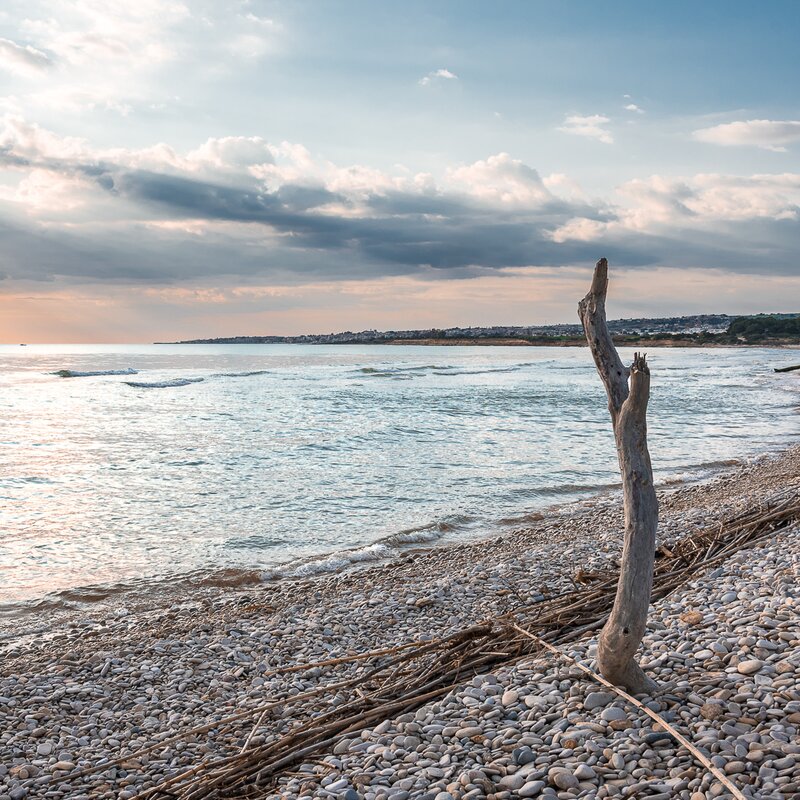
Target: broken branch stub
(628, 392)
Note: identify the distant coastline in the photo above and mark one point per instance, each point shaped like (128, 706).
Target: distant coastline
(623, 341)
(701, 330)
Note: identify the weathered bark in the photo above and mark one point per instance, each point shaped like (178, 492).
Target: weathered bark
(627, 404)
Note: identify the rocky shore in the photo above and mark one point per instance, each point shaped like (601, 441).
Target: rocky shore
(725, 648)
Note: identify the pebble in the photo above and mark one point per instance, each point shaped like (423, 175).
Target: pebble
(523, 755)
(725, 646)
(712, 711)
(562, 779)
(510, 697)
(613, 714)
(749, 667)
(597, 700)
(531, 789)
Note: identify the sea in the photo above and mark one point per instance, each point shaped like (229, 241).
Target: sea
(126, 470)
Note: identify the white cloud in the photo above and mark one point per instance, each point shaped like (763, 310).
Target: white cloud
(23, 59)
(658, 205)
(28, 141)
(254, 38)
(107, 54)
(765, 133)
(437, 75)
(579, 229)
(634, 109)
(233, 152)
(122, 57)
(98, 33)
(44, 191)
(501, 179)
(266, 22)
(591, 126)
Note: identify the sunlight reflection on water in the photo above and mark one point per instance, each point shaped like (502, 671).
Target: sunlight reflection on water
(217, 457)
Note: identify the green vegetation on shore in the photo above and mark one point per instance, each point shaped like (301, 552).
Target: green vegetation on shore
(765, 328)
(759, 329)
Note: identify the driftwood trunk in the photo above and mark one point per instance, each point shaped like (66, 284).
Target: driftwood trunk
(628, 391)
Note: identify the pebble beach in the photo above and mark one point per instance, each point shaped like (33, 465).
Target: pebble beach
(725, 647)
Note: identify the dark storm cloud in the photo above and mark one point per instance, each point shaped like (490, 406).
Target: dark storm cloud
(407, 231)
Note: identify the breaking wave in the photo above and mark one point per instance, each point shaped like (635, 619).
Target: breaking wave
(331, 563)
(514, 368)
(382, 550)
(693, 473)
(435, 369)
(240, 374)
(163, 384)
(174, 382)
(392, 370)
(74, 373)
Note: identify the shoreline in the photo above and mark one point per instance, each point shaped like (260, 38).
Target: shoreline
(89, 605)
(581, 343)
(108, 585)
(510, 342)
(604, 503)
(104, 691)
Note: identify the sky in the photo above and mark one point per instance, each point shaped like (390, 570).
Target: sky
(175, 169)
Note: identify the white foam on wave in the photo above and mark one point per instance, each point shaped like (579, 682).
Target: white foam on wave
(74, 373)
(696, 473)
(163, 384)
(332, 563)
(241, 374)
(174, 382)
(486, 371)
(415, 536)
(382, 550)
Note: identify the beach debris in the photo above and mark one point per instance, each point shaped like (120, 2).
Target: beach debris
(620, 714)
(299, 641)
(420, 672)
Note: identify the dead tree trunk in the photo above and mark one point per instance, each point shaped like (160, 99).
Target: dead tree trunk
(622, 634)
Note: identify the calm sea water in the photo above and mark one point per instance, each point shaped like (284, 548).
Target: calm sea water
(210, 462)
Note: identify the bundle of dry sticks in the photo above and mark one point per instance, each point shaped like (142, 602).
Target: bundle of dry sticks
(397, 680)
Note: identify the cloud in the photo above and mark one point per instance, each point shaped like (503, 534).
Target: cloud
(710, 197)
(107, 54)
(437, 75)
(591, 126)
(92, 32)
(254, 37)
(503, 179)
(130, 57)
(233, 153)
(42, 190)
(767, 134)
(736, 223)
(23, 59)
(241, 208)
(634, 109)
